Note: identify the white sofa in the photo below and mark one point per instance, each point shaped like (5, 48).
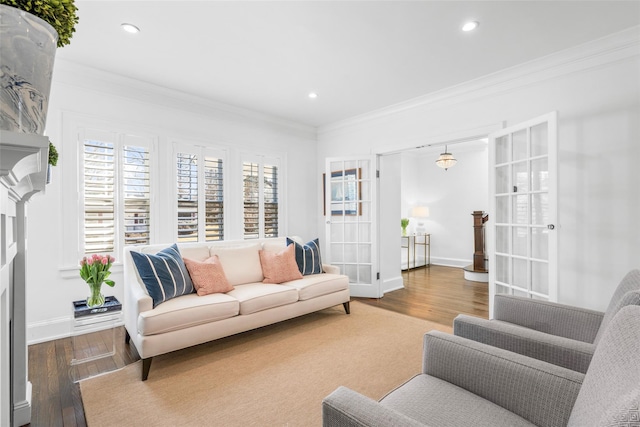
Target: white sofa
(190, 319)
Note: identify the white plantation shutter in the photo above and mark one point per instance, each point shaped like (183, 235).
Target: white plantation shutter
(214, 199)
(260, 199)
(200, 193)
(136, 195)
(99, 197)
(251, 198)
(270, 196)
(187, 181)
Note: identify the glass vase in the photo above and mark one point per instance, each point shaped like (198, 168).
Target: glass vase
(96, 299)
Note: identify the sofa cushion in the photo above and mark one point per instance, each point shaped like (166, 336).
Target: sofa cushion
(186, 311)
(256, 297)
(278, 267)
(319, 284)
(241, 263)
(436, 402)
(163, 274)
(207, 276)
(307, 256)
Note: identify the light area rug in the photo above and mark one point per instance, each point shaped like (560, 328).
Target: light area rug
(272, 376)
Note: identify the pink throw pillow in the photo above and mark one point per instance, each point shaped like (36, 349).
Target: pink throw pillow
(279, 267)
(208, 276)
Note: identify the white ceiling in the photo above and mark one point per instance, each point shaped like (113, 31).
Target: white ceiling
(357, 55)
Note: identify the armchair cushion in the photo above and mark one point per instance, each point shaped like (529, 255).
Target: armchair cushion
(549, 317)
(565, 352)
(518, 383)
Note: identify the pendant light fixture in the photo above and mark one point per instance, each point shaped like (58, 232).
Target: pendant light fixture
(446, 160)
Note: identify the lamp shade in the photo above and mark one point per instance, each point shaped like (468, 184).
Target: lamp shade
(420, 212)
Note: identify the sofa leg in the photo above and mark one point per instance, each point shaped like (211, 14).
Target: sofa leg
(347, 309)
(146, 365)
(127, 337)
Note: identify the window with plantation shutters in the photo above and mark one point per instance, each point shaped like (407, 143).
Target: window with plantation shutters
(116, 193)
(99, 197)
(136, 192)
(200, 195)
(260, 200)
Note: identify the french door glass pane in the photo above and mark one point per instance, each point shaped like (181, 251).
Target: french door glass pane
(539, 175)
(521, 209)
(351, 253)
(540, 243)
(364, 274)
(502, 209)
(520, 177)
(502, 268)
(502, 150)
(520, 273)
(520, 241)
(519, 145)
(539, 208)
(539, 143)
(502, 180)
(337, 252)
(540, 277)
(502, 239)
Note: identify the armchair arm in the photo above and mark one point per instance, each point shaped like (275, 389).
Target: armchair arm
(346, 408)
(331, 269)
(553, 318)
(538, 391)
(565, 352)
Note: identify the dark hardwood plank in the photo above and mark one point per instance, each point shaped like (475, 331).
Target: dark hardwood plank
(437, 294)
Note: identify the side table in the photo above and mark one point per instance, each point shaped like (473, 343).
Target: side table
(93, 338)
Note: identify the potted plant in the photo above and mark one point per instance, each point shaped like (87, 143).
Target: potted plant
(94, 270)
(60, 14)
(30, 32)
(53, 160)
(404, 222)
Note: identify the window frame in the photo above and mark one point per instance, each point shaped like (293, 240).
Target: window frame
(262, 161)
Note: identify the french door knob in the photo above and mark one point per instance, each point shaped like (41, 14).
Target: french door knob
(551, 226)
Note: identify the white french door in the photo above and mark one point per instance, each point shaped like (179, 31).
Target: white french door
(350, 218)
(522, 241)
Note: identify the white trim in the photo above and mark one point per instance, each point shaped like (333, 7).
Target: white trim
(619, 46)
(90, 78)
(393, 284)
(450, 262)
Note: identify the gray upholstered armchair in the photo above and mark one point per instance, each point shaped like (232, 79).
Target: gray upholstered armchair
(466, 383)
(560, 334)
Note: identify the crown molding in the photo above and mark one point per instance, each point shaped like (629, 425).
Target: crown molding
(620, 46)
(96, 80)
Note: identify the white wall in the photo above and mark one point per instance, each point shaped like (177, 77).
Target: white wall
(451, 197)
(596, 90)
(81, 92)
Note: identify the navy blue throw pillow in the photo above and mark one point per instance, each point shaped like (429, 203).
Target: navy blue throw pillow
(164, 274)
(307, 257)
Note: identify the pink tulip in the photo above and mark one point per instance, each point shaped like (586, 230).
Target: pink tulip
(96, 257)
(105, 261)
(112, 259)
(90, 261)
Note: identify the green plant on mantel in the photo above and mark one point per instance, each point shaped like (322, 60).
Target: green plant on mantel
(53, 155)
(60, 14)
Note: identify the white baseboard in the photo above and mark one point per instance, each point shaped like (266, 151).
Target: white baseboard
(54, 329)
(392, 284)
(451, 262)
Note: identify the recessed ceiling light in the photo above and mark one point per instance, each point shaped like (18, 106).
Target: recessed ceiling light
(130, 28)
(313, 95)
(470, 26)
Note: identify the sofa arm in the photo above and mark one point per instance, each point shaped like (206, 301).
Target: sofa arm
(538, 391)
(136, 300)
(330, 269)
(346, 408)
(565, 352)
(553, 318)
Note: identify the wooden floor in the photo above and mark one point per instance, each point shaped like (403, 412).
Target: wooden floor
(437, 294)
